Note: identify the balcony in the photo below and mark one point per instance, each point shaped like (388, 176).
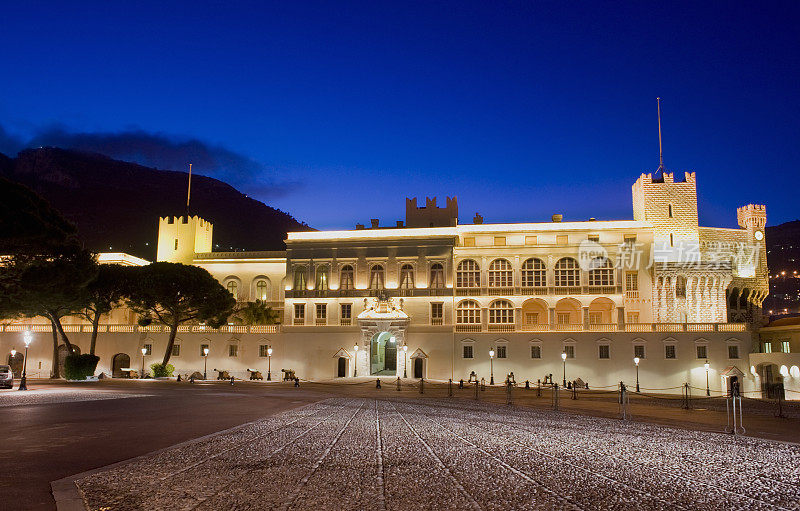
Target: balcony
(299, 321)
(321, 321)
(501, 328)
(437, 321)
(345, 322)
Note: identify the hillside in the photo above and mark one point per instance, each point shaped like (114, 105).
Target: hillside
(116, 204)
(783, 256)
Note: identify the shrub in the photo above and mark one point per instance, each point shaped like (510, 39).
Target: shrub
(78, 367)
(161, 370)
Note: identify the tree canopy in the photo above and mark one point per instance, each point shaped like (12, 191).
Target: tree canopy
(174, 293)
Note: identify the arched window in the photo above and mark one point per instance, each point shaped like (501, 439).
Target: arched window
(262, 290)
(300, 278)
(500, 274)
(501, 312)
(233, 288)
(437, 276)
(567, 272)
(680, 286)
(534, 273)
(468, 312)
(322, 278)
(406, 277)
(376, 277)
(468, 274)
(602, 273)
(346, 277)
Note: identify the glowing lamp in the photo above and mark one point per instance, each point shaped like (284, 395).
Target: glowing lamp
(564, 356)
(13, 353)
(491, 353)
(144, 351)
(636, 360)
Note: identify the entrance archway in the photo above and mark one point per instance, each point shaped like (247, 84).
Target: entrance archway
(119, 361)
(383, 354)
(419, 366)
(341, 368)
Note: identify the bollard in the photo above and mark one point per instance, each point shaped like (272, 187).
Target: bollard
(421, 385)
(461, 383)
(509, 397)
(297, 382)
(476, 389)
(623, 401)
(539, 388)
(179, 377)
(527, 385)
(191, 379)
(231, 380)
(574, 391)
(687, 396)
(555, 397)
(450, 387)
(398, 384)
(483, 384)
(377, 383)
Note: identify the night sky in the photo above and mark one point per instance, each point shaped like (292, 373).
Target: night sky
(335, 112)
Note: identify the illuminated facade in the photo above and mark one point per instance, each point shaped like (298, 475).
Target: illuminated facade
(429, 297)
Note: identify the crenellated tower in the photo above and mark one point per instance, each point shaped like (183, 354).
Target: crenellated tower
(180, 238)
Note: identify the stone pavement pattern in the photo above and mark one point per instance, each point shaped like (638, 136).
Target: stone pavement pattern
(441, 454)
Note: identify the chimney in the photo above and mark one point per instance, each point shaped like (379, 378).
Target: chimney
(478, 219)
(359, 227)
(399, 223)
(374, 222)
(557, 217)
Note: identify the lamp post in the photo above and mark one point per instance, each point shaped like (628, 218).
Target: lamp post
(355, 360)
(564, 361)
(205, 363)
(27, 338)
(405, 361)
(708, 390)
(491, 366)
(636, 361)
(144, 352)
(269, 363)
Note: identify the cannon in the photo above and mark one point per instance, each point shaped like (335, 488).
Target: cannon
(255, 375)
(288, 374)
(222, 375)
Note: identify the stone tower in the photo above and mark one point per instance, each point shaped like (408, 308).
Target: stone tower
(180, 238)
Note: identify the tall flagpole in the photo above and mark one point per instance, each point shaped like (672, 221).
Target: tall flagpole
(189, 192)
(660, 153)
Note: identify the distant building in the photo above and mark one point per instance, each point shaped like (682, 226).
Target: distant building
(429, 297)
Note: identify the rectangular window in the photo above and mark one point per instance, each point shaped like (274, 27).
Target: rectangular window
(631, 281)
(669, 351)
(733, 351)
(604, 351)
(785, 348)
(570, 351)
(638, 351)
(536, 351)
(233, 350)
(669, 210)
(501, 351)
(262, 350)
(176, 243)
(203, 348)
(499, 241)
(594, 237)
(632, 317)
(469, 241)
(176, 350)
(299, 313)
(347, 310)
(531, 318)
(322, 311)
(531, 240)
(702, 351)
(629, 239)
(148, 349)
(561, 239)
(767, 348)
(562, 318)
(437, 313)
(595, 318)
(467, 351)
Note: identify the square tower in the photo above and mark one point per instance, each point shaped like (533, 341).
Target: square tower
(671, 207)
(180, 238)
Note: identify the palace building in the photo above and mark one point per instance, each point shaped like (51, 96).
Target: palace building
(432, 298)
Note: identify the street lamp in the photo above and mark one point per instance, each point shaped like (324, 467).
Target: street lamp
(205, 363)
(27, 338)
(708, 390)
(144, 352)
(491, 366)
(564, 361)
(636, 361)
(269, 363)
(405, 361)
(355, 360)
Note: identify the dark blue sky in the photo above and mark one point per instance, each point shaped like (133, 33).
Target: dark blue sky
(336, 112)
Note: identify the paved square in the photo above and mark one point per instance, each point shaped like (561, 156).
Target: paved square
(442, 454)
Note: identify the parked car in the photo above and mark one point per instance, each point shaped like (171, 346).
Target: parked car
(6, 377)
